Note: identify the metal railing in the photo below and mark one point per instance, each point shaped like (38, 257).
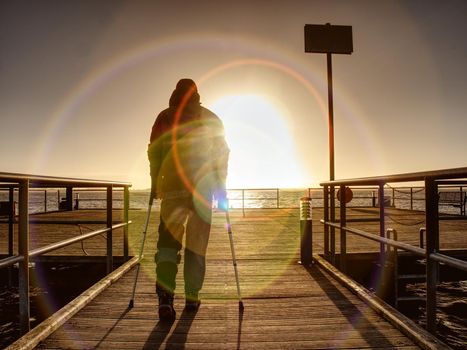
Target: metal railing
(432, 181)
(403, 197)
(277, 198)
(23, 183)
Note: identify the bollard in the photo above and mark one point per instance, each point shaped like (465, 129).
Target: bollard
(77, 201)
(306, 232)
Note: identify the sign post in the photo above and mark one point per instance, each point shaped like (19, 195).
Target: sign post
(329, 39)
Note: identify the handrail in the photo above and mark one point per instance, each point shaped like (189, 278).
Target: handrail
(54, 246)
(49, 181)
(408, 177)
(393, 243)
(453, 262)
(24, 183)
(11, 260)
(433, 181)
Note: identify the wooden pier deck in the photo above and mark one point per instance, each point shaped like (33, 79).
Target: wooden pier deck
(286, 305)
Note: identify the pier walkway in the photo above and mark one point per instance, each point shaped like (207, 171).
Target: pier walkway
(286, 305)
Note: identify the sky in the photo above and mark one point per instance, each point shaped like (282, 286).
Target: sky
(81, 83)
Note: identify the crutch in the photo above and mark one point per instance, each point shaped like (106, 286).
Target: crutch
(143, 240)
(234, 260)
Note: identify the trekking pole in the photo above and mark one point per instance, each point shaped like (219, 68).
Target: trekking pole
(234, 260)
(143, 240)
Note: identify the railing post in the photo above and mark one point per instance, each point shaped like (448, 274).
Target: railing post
(23, 250)
(461, 202)
(332, 200)
(411, 198)
(45, 201)
(343, 223)
(432, 246)
(11, 220)
(77, 201)
(69, 198)
(381, 219)
(421, 234)
(326, 219)
(126, 207)
(277, 198)
(109, 233)
(243, 202)
(395, 264)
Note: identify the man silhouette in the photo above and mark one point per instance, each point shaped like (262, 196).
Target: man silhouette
(188, 159)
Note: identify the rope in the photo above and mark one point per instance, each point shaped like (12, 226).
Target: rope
(405, 224)
(82, 242)
(81, 233)
(401, 191)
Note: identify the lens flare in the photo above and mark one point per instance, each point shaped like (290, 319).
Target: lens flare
(102, 76)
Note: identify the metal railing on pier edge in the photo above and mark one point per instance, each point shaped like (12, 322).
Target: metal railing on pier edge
(23, 183)
(432, 181)
(402, 197)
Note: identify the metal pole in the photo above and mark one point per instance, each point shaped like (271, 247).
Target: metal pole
(461, 202)
(243, 202)
(411, 198)
(23, 250)
(326, 219)
(332, 201)
(77, 201)
(11, 219)
(126, 207)
(141, 250)
(421, 234)
(462, 205)
(330, 118)
(234, 259)
(343, 238)
(109, 233)
(432, 246)
(331, 154)
(45, 201)
(382, 231)
(395, 263)
(69, 198)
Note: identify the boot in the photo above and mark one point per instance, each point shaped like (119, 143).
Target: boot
(165, 286)
(166, 304)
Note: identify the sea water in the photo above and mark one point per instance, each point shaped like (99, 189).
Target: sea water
(41, 200)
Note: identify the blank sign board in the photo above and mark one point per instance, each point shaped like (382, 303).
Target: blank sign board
(328, 39)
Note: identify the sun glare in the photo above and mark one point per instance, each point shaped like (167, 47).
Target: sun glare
(262, 151)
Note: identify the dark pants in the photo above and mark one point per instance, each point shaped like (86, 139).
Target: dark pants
(175, 215)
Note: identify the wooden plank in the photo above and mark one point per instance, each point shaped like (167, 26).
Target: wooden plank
(286, 306)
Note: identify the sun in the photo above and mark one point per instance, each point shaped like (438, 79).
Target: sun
(262, 151)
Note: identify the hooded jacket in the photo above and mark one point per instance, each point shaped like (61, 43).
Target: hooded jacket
(187, 150)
